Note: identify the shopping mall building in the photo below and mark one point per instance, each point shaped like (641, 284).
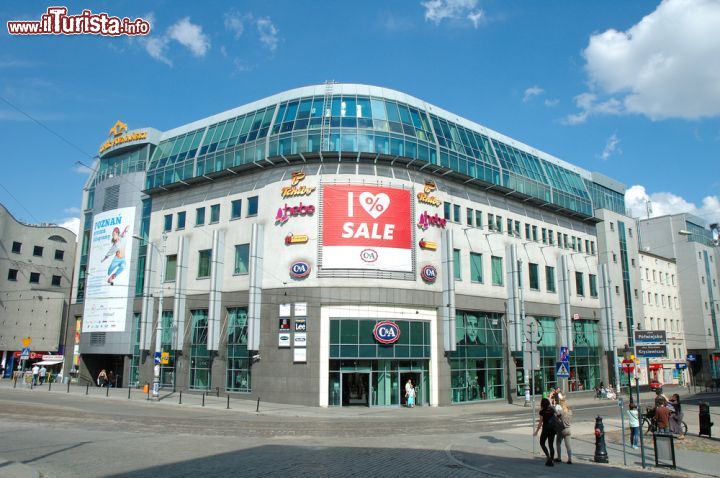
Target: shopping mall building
(326, 244)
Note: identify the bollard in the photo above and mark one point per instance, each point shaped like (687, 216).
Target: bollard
(129, 388)
(217, 391)
(107, 391)
(203, 403)
(87, 389)
(601, 455)
(704, 419)
(257, 408)
(49, 386)
(180, 401)
(15, 381)
(228, 404)
(68, 384)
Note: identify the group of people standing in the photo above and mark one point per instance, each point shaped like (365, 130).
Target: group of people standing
(39, 374)
(555, 421)
(410, 394)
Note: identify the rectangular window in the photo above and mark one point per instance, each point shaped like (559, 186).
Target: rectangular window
(252, 206)
(181, 220)
(469, 216)
(55, 281)
(550, 278)
(170, 267)
(510, 227)
(34, 277)
(573, 242)
(456, 264)
(236, 209)
(566, 243)
(242, 259)
(534, 276)
(498, 223)
(214, 213)
(59, 255)
(544, 235)
(200, 216)
(579, 245)
(593, 285)
(199, 356)
(551, 237)
(592, 247)
(12, 274)
(559, 239)
(167, 225)
(497, 270)
(534, 233)
(37, 251)
(579, 284)
(517, 228)
(204, 257)
(456, 213)
(476, 274)
(491, 222)
(527, 231)
(587, 246)
(478, 219)
(446, 211)
(16, 247)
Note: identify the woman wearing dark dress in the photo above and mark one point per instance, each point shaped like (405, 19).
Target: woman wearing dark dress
(547, 417)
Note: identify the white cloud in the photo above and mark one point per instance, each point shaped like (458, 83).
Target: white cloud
(183, 32)
(664, 203)
(190, 36)
(589, 105)
(71, 223)
(71, 210)
(665, 66)
(531, 92)
(235, 22)
(438, 10)
(611, 147)
(551, 102)
(268, 33)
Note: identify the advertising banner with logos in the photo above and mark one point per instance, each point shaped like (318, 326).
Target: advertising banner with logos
(108, 277)
(366, 227)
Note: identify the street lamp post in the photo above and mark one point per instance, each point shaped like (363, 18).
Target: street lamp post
(158, 329)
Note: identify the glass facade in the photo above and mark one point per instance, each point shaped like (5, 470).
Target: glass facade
(699, 234)
(134, 380)
(585, 358)
(238, 363)
(199, 355)
(625, 264)
(367, 124)
(548, 350)
(476, 367)
(365, 372)
(167, 371)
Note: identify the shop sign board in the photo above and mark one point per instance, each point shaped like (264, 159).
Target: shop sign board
(300, 309)
(651, 350)
(300, 355)
(366, 227)
(284, 339)
(386, 332)
(300, 269)
(108, 279)
(425, 197)
(300, 339)
(429, 274)
(681, 366)
(300, 325)
(691, 357)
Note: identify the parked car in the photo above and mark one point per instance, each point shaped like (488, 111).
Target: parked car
(655, 385)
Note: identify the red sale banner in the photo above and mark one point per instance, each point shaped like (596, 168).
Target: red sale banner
(367, 227)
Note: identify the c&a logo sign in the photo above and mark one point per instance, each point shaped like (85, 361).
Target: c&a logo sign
(386, 332)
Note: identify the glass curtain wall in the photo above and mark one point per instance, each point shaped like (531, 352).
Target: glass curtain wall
(238, 363)
(585, 358)
(167, 371)
(135, 361)
(199, 355)
(477, 364)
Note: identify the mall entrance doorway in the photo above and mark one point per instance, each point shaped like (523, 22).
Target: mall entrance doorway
(416, 379)
(356, 388)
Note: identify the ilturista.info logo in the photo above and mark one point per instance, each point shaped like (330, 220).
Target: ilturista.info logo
(56, 21)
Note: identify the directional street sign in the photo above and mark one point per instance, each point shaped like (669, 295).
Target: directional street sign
(650, 337)
(562, 370)
(651, 351)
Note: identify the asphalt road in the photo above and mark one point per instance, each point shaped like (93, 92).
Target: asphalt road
(71, 435)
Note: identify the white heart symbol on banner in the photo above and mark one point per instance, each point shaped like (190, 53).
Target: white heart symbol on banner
(374, 204)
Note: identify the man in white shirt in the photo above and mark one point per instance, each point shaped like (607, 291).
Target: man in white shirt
(43, 373)
(35, 372)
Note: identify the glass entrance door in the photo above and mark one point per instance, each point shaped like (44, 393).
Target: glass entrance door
(416, 378)
(355, 388)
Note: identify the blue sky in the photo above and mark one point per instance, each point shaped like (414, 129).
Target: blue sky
(628, 89)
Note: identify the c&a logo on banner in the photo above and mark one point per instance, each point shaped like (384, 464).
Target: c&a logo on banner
(367, 227)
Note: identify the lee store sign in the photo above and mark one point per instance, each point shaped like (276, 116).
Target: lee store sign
(367, 227)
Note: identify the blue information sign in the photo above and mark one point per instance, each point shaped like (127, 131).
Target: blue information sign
(25, 354)
(562, 369)
(157, 358)
(691, 358)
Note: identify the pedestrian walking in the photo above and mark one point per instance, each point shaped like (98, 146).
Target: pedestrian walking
(111, 378)
(547, 422)
(410, 394)
(35, 373)
(662, 416)
(42, 374)
(564, 414)
(676, 417)
(634, 424)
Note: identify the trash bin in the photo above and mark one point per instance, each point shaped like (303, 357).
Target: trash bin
(66, 380)
(705, 423)
(146, 388)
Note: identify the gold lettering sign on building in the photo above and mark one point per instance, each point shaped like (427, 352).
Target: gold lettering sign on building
(294, 190)
(426, 198)
(118, 135)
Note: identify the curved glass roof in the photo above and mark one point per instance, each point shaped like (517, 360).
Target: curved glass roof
(356, 119)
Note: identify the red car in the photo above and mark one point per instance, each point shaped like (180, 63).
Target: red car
(655, 385)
